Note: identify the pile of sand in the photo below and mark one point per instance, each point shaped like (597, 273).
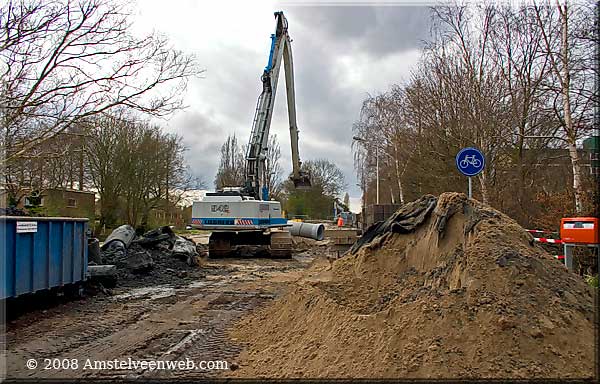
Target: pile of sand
(462, 291)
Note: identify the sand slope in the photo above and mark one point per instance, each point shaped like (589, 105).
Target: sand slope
(465, 293)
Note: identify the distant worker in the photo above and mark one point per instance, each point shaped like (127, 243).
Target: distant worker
(340, 221)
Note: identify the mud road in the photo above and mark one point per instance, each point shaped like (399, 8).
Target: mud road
(161, 322)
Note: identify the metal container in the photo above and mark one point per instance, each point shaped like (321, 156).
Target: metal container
(41, 253)
(379, 212)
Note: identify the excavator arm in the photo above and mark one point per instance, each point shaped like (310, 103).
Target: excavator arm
(258, 144)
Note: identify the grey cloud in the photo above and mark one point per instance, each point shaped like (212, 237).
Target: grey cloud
(333, 22)
(398, 29)
(202, 138)
(377, 31)
(235, 82)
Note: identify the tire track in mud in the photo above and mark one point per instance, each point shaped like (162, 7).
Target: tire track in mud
(210, 340)
(155, 323)
(58, 340)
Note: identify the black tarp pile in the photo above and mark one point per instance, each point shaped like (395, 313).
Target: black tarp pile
(158, 256)
(404, 220)
(411, 215)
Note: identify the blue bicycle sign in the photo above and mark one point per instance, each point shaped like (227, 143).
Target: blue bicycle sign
(470, 161)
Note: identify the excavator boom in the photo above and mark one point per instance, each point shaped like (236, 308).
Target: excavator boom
(245, 215)
(281, 50)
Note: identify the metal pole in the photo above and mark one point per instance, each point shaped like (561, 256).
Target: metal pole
(568, 254)
(470, 188)
(377, 167)
(597, 256)
(363, 209)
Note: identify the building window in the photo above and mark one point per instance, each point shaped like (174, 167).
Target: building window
(71, 203)
(29, 203)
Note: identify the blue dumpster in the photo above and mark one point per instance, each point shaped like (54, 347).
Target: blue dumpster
(41, 253)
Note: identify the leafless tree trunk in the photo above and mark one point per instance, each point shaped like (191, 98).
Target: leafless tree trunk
(231, 167)
(558, 43)
(273, 172)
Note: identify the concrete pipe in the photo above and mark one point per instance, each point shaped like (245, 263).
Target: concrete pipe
(123, 234)
(312, 231)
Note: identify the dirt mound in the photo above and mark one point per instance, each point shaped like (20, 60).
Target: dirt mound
(447, 288)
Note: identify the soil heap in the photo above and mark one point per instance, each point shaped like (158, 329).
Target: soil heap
(446, 288)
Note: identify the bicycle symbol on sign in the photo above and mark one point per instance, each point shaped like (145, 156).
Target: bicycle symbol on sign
(470, 159)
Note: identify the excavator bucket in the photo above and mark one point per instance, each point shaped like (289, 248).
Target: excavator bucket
(302, 182)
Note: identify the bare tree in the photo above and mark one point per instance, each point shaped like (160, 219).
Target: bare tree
(106, 152)
(273, 172)
(231, 172)
(559, 26)
(382, 131)
(486, 79)
(232, 163)
(65, 61)
(136, 166)
(326, 175)
(347, 200)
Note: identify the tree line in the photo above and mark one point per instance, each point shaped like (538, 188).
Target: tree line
(77, 92)
(516, 82)
(135, 168)
(132, 165)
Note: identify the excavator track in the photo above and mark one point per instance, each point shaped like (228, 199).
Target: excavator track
(221, 244)
(281, 245)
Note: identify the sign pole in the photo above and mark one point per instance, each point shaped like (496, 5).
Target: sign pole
(377, 166)
(470, 187)
(470, 162)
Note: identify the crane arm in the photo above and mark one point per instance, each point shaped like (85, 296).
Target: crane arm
(259, 137)
(288, 64)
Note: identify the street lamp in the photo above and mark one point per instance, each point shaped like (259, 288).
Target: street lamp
(356, 138)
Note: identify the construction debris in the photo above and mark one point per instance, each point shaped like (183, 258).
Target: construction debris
(138, 259)
(107, 275)
(12, 211)
(154, 237)
(445, 288)
(405, 220)
(158, 256)
(185, 249)
(123, 235)
(114, 252)
(94, 255)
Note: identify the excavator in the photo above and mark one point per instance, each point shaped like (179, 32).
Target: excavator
(244, 215)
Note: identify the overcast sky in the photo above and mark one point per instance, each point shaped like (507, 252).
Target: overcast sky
(341, 53)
